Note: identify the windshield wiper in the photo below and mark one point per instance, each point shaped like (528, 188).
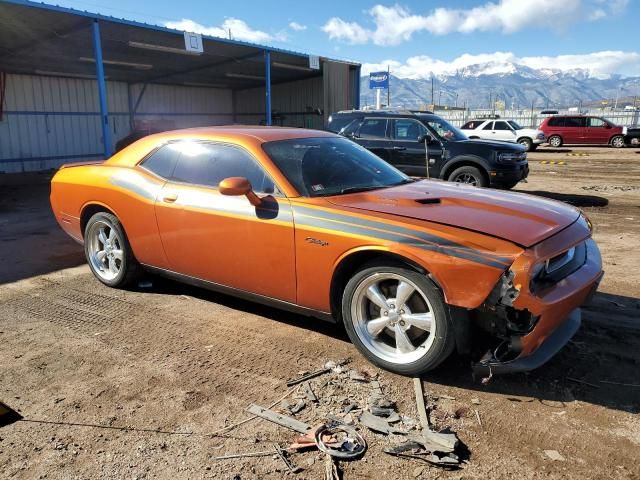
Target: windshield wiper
(362, 189)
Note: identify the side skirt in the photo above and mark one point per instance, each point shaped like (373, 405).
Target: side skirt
(235, 292)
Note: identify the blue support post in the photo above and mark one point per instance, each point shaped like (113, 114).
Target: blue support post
(356, 102)
(267, 86)
(102, 90)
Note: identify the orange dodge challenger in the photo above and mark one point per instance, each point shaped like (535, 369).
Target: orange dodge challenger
(312, 222)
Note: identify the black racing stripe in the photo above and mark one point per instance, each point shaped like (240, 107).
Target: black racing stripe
(368, 232)
(438, 241)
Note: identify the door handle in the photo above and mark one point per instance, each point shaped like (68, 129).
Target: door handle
(399, 148)
(170, 197)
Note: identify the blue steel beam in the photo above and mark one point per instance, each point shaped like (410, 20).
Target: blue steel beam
(267, 86)
(102, 90)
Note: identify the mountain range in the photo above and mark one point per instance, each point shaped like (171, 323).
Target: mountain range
(518, 86)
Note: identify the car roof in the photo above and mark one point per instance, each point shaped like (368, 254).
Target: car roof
(386, 113)
(247, 135)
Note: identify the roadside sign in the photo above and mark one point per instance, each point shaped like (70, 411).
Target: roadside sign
(378, 80)
(314, 62)
(193, 42)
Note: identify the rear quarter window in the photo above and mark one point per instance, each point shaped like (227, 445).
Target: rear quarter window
(162, 162)
(556, 122)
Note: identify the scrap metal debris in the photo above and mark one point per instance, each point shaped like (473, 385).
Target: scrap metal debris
(283, 456)
(8, 415)
(377, 424)
(309, 394)
(308, 376)
(243, 455)
(281, 420)
(348, 444)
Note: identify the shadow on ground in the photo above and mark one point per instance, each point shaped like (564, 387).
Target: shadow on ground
(606, 349)
(570, 198)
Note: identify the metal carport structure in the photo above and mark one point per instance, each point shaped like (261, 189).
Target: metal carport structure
(75, 82)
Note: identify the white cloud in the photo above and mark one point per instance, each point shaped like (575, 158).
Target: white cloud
(396, 23)
(297, 26)
(598, 64)
(238, 29)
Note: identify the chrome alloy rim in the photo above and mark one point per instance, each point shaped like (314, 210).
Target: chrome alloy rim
(105, 250)
(555, 142)
(393, 318)
(618, 142)
(466, 178)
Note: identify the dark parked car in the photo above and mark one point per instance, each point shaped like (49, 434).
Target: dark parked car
(404, 138)
(632, 137)
(582, 129)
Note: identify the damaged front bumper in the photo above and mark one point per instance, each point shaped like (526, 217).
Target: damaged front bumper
(539, 322)
(552, 345)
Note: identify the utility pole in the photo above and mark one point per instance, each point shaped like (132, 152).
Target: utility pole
(388, 87)
(433, 105)
(440, 97)
(456, 105)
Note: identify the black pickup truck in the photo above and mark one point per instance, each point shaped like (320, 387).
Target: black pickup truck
(632, 137)
(425, 145)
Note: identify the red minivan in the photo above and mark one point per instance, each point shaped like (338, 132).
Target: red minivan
(568, 129)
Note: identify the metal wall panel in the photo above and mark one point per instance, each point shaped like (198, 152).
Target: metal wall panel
(338, 88)
(53, 120)
(295, 101)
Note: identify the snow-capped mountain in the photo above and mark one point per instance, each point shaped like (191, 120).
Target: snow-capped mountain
(513, 84)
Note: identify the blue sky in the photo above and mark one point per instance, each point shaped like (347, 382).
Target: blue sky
(416, 37)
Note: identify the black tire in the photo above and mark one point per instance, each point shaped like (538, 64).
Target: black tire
(555, 141)
(463, 174)
(617, 141)
(534, 147)
(128, 267)
(443, 342)
(527, 143)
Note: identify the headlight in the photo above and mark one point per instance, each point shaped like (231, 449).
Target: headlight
(507, 157)
(586, 222)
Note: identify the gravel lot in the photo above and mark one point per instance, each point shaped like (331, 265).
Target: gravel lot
(130, 384)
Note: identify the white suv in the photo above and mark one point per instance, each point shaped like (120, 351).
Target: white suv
(504, 130)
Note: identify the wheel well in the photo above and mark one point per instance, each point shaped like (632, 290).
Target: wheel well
(614, 136)
(354, 262)
(465, 163)
(88, 212)
(525, 137)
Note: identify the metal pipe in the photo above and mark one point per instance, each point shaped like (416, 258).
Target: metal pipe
(102, 90)
(267, 80)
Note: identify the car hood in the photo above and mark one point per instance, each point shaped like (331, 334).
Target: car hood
(519, 218)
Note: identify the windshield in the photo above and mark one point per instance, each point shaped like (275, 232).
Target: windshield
(325, 166)
(515, 125)
(445, 130)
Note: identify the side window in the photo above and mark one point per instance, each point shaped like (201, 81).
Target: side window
(408, 130)
(373, 128)
(501, 126)
(209, 164)
(488, 126)
(162, 161)
(556, 122)
(596, 122)
(470, 125)
(575, 122)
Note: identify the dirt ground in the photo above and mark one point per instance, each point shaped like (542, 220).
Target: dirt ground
(131, 384)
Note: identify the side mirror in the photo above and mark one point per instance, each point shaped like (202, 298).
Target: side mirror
(425, 138)
(235, 186)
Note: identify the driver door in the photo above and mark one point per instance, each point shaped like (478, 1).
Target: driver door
(503, 131)
(225, 239)
(408, 154)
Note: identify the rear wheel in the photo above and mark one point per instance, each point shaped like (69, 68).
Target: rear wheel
(526, 143)
(468, 174)
(555, 141)
(396, 317)
(617, 141)
(108, 251)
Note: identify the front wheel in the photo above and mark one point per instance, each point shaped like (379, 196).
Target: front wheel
(617, 141)
(526, 143)
(396, 317)
(555, 141)
(467, 174)
(108, 251)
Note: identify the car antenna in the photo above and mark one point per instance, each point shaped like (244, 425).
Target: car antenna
(426, 153)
